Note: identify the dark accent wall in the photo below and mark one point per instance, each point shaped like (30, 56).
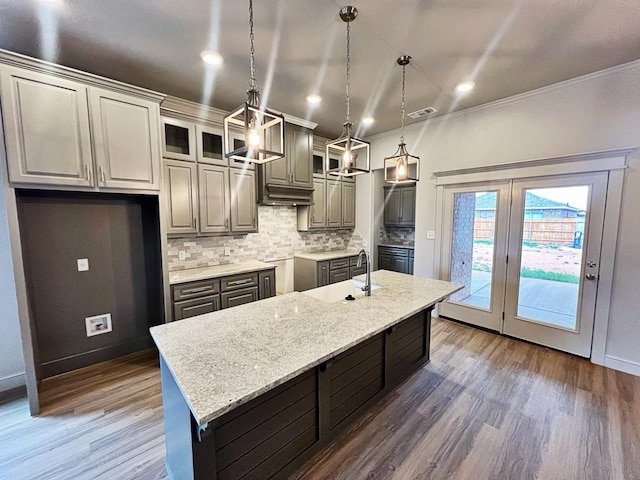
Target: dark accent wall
(119, 235)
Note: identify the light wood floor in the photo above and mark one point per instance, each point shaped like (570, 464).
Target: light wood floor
(486, 407)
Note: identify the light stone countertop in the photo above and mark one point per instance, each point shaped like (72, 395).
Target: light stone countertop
(203, 273)
(223, 359)
(328, 255)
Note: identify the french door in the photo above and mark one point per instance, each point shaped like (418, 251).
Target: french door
(528, 254)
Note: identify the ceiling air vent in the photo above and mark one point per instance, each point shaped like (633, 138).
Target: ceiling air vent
(422, 112)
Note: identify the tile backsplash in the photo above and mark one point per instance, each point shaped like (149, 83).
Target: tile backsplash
(277, 239)
(397, 235)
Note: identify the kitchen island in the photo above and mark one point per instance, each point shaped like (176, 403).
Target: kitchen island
(253, 391)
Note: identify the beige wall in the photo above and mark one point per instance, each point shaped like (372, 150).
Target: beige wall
(593, 113)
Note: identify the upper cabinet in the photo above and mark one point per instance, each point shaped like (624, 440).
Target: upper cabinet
(204, 193)
(62, 132)
(289, 180)
(334, 198)
(400, 206)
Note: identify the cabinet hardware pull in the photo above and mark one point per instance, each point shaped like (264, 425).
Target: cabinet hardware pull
(240, 282)
(193, 224)
(197, 290)
(102, 174)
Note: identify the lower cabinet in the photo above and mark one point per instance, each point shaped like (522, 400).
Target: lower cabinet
(274, 434)
(205, 296)
(395, 259)
(310, 274)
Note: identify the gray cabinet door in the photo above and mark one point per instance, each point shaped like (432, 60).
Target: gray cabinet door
(180, 182)
(126, 140)
(391, 206)
(334, 203)
(300, 154)
(318, 211)
(244, 209)
(385, 262)
(47, 134)
(323, 274)
(178, 139)
(339, 275)
(213, 183)
(209, 146)
(239, 297)
(348, 204)
(267, 283)
(407, 206)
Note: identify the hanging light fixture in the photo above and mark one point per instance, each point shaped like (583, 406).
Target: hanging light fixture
(402, 167)
(252, 133)
(351, 152)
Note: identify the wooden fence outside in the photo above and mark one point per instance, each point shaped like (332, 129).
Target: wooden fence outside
(559, 231)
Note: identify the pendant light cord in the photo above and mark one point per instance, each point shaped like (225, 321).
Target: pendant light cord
(402, 118)
(348, 68)
(253, 83)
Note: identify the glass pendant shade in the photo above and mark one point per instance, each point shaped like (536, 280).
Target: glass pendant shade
(401, 167)
(347, 156)
(252, 133)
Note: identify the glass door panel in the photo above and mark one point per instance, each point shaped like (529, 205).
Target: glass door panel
(473, 254)
(552, 254)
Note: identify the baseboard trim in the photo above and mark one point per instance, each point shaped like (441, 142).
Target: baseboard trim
(12, 382)
(622, 365)
(63, 365)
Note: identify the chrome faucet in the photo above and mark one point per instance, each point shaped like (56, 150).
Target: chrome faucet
(367, 284)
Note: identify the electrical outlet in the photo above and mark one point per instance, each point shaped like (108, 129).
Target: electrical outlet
(431, 235)
(227, 251)
(83, 264)
(182, 255)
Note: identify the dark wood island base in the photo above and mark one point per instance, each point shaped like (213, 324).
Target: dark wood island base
(272, 435)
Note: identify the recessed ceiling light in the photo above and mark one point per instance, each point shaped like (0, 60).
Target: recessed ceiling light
(465, 87)
(367, 120)
(211, 58)
(314, 99)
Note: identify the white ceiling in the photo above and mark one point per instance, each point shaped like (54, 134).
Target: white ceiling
(506, 46)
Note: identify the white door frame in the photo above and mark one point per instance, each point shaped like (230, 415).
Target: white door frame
(612, 161)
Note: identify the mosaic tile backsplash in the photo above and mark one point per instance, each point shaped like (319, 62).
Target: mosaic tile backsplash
(397, 235)
(277, 239)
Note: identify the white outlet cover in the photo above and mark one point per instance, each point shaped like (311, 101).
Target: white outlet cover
(182, 255)
(227, 251)
(83, 264)
(431, 235)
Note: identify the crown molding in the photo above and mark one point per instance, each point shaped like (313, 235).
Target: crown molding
(175, 107)
(17, 60)
(513, 99)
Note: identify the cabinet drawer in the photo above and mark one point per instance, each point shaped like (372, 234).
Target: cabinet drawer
(355, 271)
(395, 251)
(339, 275)
(353, 261)
(239, 297)
(239, 281)
(338, 263)
(195, 289)
(197, 306)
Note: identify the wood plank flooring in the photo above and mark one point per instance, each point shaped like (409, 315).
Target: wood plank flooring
(486, 407)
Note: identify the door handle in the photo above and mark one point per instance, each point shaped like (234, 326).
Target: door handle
(591, 264)
(590, 276)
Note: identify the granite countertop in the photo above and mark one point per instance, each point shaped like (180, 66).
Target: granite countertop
(396, 245)
(223, 359)
(203, 273)
(328, 255)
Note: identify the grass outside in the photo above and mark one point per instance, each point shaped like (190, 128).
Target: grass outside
(559, 264)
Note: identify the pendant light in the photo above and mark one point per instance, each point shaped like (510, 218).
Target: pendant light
(402, 167)
(351, 153)
(251, 132)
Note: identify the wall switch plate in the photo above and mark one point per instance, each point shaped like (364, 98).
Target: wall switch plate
(431, 235)
(182, 255)
(227, 251)
(83, 264)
